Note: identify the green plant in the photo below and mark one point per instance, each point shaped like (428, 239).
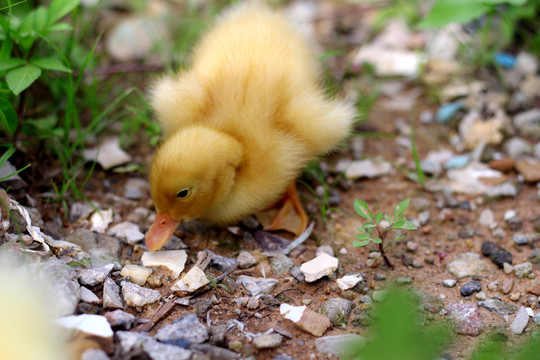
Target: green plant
(323, 201)
(383, 224)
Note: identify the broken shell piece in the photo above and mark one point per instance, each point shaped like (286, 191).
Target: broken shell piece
(305, 318)
(96, 325)
(322, 265)
(349, 281)
(256, 286)
(174, 260)
(127, 231)
(193, 280)
(138, 274)
(101, 220)
(108, 154)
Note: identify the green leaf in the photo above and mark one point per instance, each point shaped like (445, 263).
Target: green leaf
(401, 207)
(360, 243)
(59, 8)
(363, 236)
(409, 226)
(445, 12)
(376, 240)
(398, 223)
(21, 78)
(8, 115)
(35, 21)
(7, 154)
(60, 27)
(51, 63)
(362, 209)
(378, 217)
(11, 63)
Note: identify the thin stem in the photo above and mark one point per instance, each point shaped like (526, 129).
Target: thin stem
(381, 248)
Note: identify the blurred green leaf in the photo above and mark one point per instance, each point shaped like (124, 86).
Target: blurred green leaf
(60, 8)
(401, 207)
(51, 63)
(408, 226)
(8, 115)
(21, 78)
(7, 154)
(11, 63)
(360, 243)
(378, 217)
(445, 12)
(362, 209)
(60, 27)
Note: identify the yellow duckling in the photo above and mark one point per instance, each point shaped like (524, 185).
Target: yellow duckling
(240, 124)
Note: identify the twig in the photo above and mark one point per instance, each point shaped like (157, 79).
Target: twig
(160, 313)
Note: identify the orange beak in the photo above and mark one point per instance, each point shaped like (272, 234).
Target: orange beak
(161, 231)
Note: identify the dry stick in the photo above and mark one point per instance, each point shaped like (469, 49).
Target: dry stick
(160, 313)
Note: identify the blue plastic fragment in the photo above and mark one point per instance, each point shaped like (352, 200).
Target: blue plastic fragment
(505, 60)
(447, 111)
(457, 162)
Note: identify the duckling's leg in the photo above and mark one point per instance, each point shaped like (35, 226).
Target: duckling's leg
(290, 202)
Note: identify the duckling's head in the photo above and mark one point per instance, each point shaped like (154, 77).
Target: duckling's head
(192, 171)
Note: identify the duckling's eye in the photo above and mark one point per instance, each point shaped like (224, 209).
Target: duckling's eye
(182, 193)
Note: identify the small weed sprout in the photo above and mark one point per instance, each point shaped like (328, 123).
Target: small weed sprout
(383, 224)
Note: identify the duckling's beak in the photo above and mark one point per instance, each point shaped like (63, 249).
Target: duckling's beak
(161, 231)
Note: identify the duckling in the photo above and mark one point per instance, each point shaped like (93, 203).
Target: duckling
(240, 124)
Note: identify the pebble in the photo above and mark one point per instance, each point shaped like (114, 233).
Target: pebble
(457, 162)
(503, 165)
(256, 286)
(138, 274)
(523, 270)
(466, 318)
(267, 341)
(505, 60)
(520, 239)
(527, 122)
(111, 295)
(526, 63)
(424, 217)
(297, 274)
(89, 297)
(449, 283)
(97, 245)
(322, 265)
(379, 277)
(95, 276)
(338, 311)
(515, 296)
(481, 295)
(469, 288)
(174, 260)
(363, 168)
(306, 319)
(534, 257)
(496, 253)
(90, 324)
(420, 204)
(101, 220)
(426, 117)
(120, 319)
(127, 231)
(335, 344)
(281, 264)
(327, 249)
(520, 321)
(137, 296)
(194, 279)
(366, 299)
(498, 306)
(536, 319)
(183, 332)
(467, 264)
(61, 286)
(486, 218)
(214, 352)
(530, 169)
(493, 286)
(508, 269)
(136, 189)
(246, 260)
(253, 303)
(222, 263)
(403, 280)
(130, 343)
(349, 281)
(507, 285)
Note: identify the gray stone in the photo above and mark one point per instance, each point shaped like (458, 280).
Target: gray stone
(468, 264)
(534, 257)
(424, 217)
(89, 297)
(486, 217)
(498, 306)
(103, 249)
(520, 239)
(449, 283)
(138, 296)
(120, 319)
(421, 204)
(61, 286)
(136, 345)
(338, 311)
(523, 270)
(111, 295)
(327, 249)
(536, 319)
(508, 189)
(222, 263)
(526, 64)
(516, 147)
(267, 341)
(334, 345)
(136, 189)
(528, 123)
(256, 286)
(297, 273)
(246, 260)
(466, 318)
(95, 276)
(536, 150)
(283, 357)
(281, 264)
(94, 354)
(215, 352)
(496, 253)
(184, 331)
(520, 321)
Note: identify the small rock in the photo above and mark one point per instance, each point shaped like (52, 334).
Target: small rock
(449, 283)
(120, 319)
(457, 162)
(363, 168)
(183, 332)
(322, 265)
(523, 270)
(486, 218)
(98, 246)
(528, 122)
(130, 343)
(297, 274)
(338, 311)
(281, 264)
(253, 303)
(467, 264)
(530, 169)
(515, 296)
(470, 287)
(481, 296)
(256, 286)
(101, 220)
(420, 204)
(89, 297)
(215, 352)
(222, 263)
(403, 280)
(517, 147)
(327, 249)
(95, 276)
(111, 295)
(498, 306)
(520, 321)
(94, 325)
(335, 344)
(349, 281)
(138, 274)
(534, 257)
(246, 260)
(507, 268)
(194, 279)
(503, 165)
(507, 285)
(267, 341)
(536, 319)
(61, 286)
(218, 335)
(466, 318)
(493, 286)
(127, 231)
(136, 189)
(520, 239)
(424, 217)
(497, 253)
(526, 63)
(306, 319)
(174, 260)
(137, 296)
